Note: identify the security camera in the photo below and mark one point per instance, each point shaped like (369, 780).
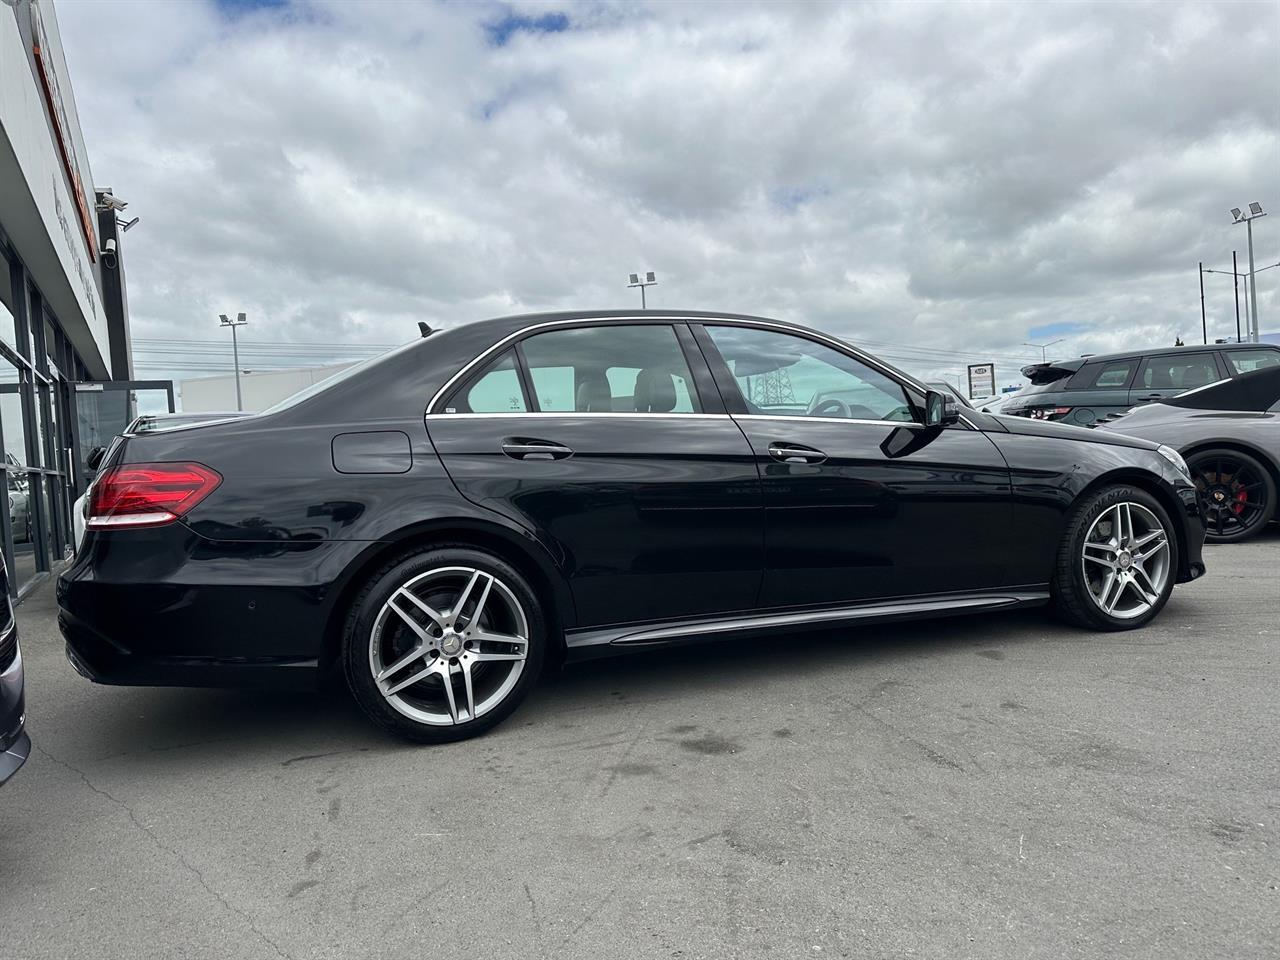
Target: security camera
(109, 201)
(109, 255)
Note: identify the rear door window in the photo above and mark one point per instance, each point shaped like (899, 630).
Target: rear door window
(610, 369)
(1177, 372)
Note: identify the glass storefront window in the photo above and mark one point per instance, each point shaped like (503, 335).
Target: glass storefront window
(52, 547)
(8, 325)
(12, 423)
(44, 432)
(21, 504)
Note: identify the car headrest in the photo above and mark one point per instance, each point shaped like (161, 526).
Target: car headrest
(655, 391)
(594, 396)
(1194, 377)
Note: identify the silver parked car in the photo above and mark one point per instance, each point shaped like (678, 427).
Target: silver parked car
(1229, 434)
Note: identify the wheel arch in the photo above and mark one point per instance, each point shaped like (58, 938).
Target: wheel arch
(516, 547)
(1150, 483)
(1238, 446)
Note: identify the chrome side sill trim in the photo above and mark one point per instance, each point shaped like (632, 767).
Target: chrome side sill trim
(641, 634)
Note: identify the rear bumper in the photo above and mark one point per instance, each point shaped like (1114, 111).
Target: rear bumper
(103, 660)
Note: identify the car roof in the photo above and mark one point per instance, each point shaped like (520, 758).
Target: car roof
(1075, 363)
(519, 321)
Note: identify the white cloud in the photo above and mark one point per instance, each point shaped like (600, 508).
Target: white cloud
(918, 176)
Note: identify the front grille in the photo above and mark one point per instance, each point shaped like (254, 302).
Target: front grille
(8, 648)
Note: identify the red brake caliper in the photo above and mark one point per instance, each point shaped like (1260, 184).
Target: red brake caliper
(1241, 499)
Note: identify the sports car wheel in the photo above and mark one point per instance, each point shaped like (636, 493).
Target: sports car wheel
(1237, 494)
(444, 644)
(1117, 562)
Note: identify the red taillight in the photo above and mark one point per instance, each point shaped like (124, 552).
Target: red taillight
(148, 494)
(1049, 413)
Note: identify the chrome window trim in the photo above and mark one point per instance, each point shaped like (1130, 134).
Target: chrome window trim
(909, 424)
(838, 345)
(803, 419)
(578, 415)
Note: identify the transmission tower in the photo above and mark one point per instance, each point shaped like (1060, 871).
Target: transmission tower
(771, 389)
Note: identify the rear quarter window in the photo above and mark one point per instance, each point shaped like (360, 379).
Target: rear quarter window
(1112, 375)
(1246, 361)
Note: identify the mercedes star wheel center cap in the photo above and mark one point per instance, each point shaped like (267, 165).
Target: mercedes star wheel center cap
(1124, 559)
(451, 644)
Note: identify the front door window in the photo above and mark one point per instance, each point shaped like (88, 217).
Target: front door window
(784, 375)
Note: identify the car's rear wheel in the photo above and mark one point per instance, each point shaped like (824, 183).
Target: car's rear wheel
(444, 644)
(1237, 494)
(1117, 562)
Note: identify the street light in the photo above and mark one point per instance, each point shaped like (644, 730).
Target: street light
(239, 321)
(1255, 211)
(641, 280)
(1043, 348)
(1237, 276)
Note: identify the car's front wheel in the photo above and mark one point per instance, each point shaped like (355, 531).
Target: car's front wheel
(444, 644)
(1117, 562)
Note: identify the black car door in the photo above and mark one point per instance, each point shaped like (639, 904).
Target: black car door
(608, 442)
(861, 501)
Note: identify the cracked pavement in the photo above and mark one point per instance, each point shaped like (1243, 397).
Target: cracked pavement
(1002, 786)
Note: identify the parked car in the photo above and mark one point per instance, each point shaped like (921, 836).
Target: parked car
(1229, 434)
(1086, 389)
(440, 521)
(945, 388)
(994, 403)
(15, 744)
(147, 423)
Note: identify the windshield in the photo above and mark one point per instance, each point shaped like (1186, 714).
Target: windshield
(306, 393)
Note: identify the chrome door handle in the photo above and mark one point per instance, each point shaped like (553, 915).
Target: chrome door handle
(794, 453)
(519, 448)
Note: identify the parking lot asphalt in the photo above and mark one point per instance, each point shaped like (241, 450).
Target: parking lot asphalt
(1002, 786)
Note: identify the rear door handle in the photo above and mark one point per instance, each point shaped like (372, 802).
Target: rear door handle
(523, 448)
(795, 453)
(1153, 396)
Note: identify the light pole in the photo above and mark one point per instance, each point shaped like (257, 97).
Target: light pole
(1204, 324)
(1255, 211)
(239, 321)
(1043, 348)
(1236, 276)
(641, 280)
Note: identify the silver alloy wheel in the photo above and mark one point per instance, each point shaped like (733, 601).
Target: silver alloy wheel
(449, 645)
(1126, 560)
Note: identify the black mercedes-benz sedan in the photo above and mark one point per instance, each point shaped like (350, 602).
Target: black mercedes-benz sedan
(442, 520)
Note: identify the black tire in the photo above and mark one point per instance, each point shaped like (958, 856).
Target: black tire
(358, 640)
(1237, 494)
(1072, 598)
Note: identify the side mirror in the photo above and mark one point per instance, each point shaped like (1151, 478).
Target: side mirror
(94, 459)
(940, 409)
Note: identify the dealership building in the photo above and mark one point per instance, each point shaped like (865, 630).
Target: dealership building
(65, 361)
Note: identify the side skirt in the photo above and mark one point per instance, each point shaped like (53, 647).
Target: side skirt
(620, 638)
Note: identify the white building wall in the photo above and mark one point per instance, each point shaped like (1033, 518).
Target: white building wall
(38, 210)
(259, 390)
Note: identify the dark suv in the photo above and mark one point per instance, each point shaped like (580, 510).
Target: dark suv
(1086, 389)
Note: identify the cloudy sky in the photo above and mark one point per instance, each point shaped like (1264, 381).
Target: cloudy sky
(939, 182)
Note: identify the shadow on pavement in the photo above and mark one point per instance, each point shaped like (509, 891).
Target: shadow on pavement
(294, 727)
